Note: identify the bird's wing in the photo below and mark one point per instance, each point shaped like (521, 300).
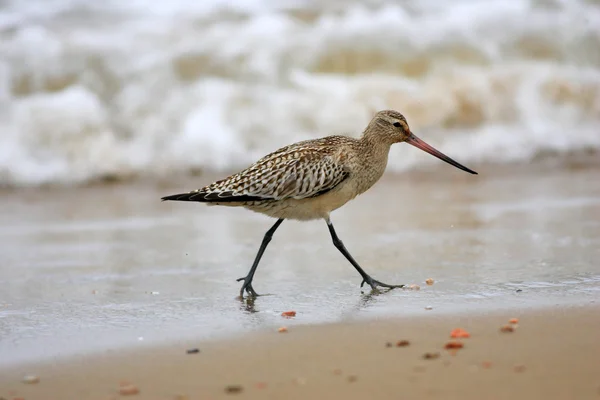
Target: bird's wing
(294, 171)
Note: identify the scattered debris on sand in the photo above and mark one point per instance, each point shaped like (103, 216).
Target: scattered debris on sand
(519, 368)
(431, 356)
(402, 343)
(283, 329)
(30, 379)
(288, 314)
(193, 351)
(459, 333)
(507, 329)
(232, 389)
(454, 344)
(128, 389)
(300, 381)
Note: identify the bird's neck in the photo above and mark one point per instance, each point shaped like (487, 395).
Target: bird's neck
(375, 143)
(373, 160)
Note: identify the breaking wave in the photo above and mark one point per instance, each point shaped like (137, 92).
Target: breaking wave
(96, 89)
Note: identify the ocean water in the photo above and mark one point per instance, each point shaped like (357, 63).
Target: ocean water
(106, 267)
(90, 90)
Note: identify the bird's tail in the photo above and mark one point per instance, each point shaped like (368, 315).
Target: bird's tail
(190, 196)
(213, 197)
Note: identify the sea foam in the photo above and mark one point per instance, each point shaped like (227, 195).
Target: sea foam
(96, 89)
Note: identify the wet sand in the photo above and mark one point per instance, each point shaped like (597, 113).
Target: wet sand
(551, 354)
(93, 272)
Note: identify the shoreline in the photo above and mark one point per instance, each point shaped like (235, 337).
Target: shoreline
(584, 159)
(552, 354)
(111, 341)
(112, 263)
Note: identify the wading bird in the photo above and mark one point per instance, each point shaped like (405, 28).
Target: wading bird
(309, 179)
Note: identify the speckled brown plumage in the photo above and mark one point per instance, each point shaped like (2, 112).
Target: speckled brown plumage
(301, 170)
(309, 179)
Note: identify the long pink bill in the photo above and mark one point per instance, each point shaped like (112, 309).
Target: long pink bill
(418, 143)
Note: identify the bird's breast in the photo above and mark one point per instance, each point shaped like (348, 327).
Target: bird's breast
(366, 173)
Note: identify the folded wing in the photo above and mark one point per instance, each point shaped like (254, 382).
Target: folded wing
(295, 171)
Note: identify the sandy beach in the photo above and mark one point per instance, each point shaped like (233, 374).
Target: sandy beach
(550, 354)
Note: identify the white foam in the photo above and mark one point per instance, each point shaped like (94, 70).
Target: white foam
(142, 87)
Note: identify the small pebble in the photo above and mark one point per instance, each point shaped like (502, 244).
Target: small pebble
(31, 379)
(519, 368)
(283, 329)
(231, 389)
(507, 329)
(459, 333)
(128, 390)
(352, 378)
(431, 356)
(193, 351)
(453, 344)
(514, 320)
(519, 290)
(429, 281)
(288, 314)
(402, 343)
(300, 381)
(388, 344)
(429, 308)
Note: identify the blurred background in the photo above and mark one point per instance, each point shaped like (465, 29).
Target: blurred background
(118, 89)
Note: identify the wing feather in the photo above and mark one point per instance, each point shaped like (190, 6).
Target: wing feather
(298, 171)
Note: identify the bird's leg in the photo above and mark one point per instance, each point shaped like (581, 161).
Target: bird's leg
(366, 277)
(247, 286)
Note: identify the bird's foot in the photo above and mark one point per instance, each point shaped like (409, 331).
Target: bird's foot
(375, 284)
(247, 286)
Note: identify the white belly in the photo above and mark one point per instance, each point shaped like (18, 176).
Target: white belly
(310, 208)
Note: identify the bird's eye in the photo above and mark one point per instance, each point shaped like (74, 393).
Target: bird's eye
(397, 124)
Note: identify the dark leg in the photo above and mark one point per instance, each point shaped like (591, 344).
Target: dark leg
(366, 278)
(247, 286)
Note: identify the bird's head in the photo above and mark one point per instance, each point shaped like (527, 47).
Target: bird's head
(390, 125)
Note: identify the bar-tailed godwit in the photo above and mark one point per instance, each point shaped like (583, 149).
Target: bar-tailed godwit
(309, 179)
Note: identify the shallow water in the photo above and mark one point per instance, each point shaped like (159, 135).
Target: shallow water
(101, 267)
